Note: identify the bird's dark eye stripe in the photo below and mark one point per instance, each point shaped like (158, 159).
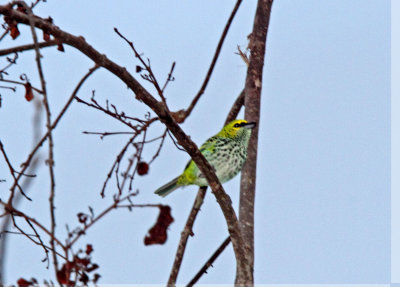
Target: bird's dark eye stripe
(237, 125)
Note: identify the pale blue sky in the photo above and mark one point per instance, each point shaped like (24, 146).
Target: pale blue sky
(323, 185)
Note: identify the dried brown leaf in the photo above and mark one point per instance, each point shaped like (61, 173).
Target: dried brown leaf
(158, 233)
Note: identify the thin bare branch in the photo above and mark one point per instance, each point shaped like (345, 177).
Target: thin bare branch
(187, 231)
(11, 61)
(214, 60)
(27, 47)
(40, 243)
(112, 111)
(170, 78)
(114, 205)
(15, 212)
(104, 134)
(235, 109)
(150, 77)
(12, 170)
(209, 262)
(19, 83)
(50, 160)
(162, 137)
(4, 33)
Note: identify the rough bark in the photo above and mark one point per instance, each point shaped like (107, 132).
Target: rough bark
(252, 113)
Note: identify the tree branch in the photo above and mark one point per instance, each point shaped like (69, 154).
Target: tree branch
(214, 60)
(237, 105)
(252, 113)
(159, 108)
(27, 47)
(185, 235)
(235, 109)
(209, 262)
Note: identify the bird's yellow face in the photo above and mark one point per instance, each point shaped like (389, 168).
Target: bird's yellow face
(236, 128)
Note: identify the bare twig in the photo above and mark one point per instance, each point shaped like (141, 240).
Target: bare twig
(11, 62)
(209, 262)
(4, 33)
(188, 230)
(50, 160)
(113, 112)
(159, 147)
(150, 77)
(137, 155)
(19, 83)
(27, 47)
(114, 205)
(14, 212)
(12, 170)
(116, 164)
(104, 134)
(243, 55)
(41, 243)
(170, 78)
(115, 167)
(214, 60)
(235, 109)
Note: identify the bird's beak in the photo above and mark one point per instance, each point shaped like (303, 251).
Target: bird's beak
(251, 125)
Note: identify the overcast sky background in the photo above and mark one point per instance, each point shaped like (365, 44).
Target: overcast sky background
(323, 182)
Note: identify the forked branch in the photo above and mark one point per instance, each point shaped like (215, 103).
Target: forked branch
(160, 109)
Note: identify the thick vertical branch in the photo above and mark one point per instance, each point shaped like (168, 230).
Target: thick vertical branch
(252, 113)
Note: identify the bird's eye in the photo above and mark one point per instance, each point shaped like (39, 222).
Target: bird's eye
(236, 125)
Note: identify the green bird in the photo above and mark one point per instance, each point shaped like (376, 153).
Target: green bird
(226, 152)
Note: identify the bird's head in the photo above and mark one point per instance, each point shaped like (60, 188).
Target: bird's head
(237, 129)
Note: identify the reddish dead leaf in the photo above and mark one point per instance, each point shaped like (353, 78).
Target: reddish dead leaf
(142, 168)
(60, 46)
(12, 27)
(46, 36)
(158, 233)
(23, 283)
(62, 275)
(89, 249)
(14, 32)
(28, 92)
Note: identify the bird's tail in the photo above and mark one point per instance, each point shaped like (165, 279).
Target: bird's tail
(168, 188)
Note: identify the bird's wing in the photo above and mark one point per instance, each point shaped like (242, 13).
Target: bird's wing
(206, 149)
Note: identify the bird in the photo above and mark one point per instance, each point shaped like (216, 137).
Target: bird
(226, 152)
